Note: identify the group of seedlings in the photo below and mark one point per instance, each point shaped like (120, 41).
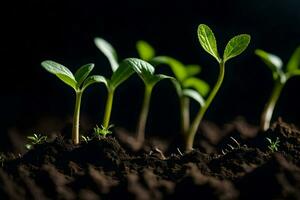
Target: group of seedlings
(188, 86)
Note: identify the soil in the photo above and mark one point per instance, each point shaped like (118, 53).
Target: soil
(236, 164)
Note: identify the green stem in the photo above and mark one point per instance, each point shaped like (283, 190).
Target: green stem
(108, 108)
(185, 114)
(144, 114)
(76, 117)
(189, 137)
(266, 116)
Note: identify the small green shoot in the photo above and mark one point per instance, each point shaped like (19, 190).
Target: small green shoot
(121, 72)
(146, 72)
(273, 145)
(35, 139)
(79, 82)
(85, 139)
(234, 47)
(280, 76)
(103, 131)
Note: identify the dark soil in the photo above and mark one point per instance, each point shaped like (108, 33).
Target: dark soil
(239, 166)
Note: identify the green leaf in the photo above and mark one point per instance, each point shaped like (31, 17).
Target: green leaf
(194, 95)
(145, 71)
(236, 46)
(176, 66)
(272, 61)
(208, 41)
(294, 62)
(192, 70)
(145, 50)
(158, 77)
(61, 72)
(108, 50)
(123, 72)
(94, 79)
(201, 86)
(82, 73)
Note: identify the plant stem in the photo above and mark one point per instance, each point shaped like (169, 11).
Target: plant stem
(189, 137)
(108, 108)
(270, 105)
(185, 114)
(144, 114)
(76, 117)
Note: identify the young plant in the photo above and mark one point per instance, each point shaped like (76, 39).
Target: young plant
(121, 72)
(35, 139)
(146, 72)
(187, 84)
(103, 131)
(79, 82)
(273, 145)
(234, 47)
(280, 76)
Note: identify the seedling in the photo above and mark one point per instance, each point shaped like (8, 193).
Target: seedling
(280, 76)
(121, 72)
(79, 82)
(234, 47)
(273, 145)
(146, 72)
(35, 139)
(187, 84)
(103, 131)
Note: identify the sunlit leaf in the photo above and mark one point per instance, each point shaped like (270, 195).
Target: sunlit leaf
(94, 79)
(294, 62)
(208, 41)
(194, 95)
(145, 50)
(61, 72)
(123, 72)
(236, 46)
(108, 50)
(272, 61)
(82, 73)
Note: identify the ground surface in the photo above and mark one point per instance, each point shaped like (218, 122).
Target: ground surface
(102, 169)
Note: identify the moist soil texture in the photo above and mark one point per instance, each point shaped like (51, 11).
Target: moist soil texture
(237, 167)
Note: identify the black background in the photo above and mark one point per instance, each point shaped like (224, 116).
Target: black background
(35, 30)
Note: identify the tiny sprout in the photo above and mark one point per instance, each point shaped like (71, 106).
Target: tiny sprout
(79, 82)
(103, 131)
(273, 145)
(120, 74)
(35, 139)
(280, 77)
(85, 139)
(146, 72)
(2, 159)
(234, 47)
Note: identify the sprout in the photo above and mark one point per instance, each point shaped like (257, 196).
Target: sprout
(208, 42)
(273, 145)
(280, 77)
(79, 82)
(35, 139)
(103, 131)
(85, 139)
(121, 72)
(146, 72)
